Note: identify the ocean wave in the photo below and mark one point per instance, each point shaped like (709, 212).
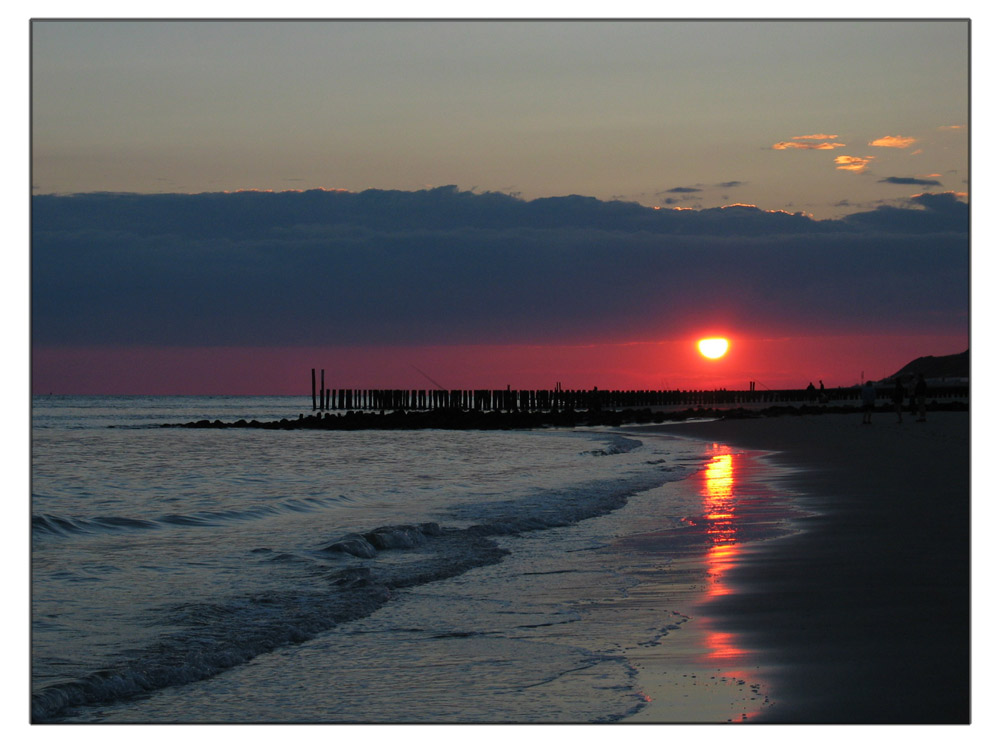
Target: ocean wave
(55, 525)
(616, 445)
(216, 638)
(366, 545)
(65, 526)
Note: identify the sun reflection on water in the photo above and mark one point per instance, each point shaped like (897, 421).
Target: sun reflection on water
(719, 503)
(720, 487)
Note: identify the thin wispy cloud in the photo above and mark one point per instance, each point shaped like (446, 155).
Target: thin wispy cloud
(679, 194)
(910, 181)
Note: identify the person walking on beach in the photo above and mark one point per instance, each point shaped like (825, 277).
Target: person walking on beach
(898, 395)
(921, 391)
(868, 402)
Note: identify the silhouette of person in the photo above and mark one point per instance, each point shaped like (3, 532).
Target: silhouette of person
(868, 402)
(898, 395)
(811, 391)
(921, 391)
(822, 393)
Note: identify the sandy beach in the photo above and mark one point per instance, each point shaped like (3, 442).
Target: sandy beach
(863, 617)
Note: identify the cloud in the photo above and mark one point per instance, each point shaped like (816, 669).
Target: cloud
(851, 163)
(942, 213)
(807, 145)
(693, 193)
(797, 144)
(907, 180)
(945, 203)
(441, 266)
(688, 194)
(897, 141)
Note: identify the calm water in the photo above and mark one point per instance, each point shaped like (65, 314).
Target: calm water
(241, 575)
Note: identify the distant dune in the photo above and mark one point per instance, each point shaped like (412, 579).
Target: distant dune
(947, 366)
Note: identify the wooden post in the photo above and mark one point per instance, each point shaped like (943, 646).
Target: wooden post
(314, 388)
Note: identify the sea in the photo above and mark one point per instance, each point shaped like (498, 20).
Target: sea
(389, 577)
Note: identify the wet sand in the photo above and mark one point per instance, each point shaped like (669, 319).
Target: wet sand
(863, 617)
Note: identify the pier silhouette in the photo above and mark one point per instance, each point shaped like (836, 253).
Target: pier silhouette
(559, 399)
(491, 409)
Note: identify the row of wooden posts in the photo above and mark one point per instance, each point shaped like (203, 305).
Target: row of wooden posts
(380, 399)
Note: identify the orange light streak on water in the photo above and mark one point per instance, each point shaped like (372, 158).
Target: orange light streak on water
(720, 488)
(723, 647)
(720, 559)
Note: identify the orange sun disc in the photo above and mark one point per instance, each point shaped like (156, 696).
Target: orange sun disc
(713, 348)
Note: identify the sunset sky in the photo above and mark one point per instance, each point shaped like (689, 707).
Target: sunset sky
(220, 206)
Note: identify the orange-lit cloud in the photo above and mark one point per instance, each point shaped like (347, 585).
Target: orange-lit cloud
(897, 141)
(850, 163)
(952, 126)
(796, 145)
(807, 145)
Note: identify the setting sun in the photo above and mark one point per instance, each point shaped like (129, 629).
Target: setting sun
(713, 348)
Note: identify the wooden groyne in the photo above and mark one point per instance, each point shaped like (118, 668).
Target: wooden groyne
(482, 409)
(559, 399)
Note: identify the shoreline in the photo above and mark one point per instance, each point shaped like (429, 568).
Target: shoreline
(864, 616)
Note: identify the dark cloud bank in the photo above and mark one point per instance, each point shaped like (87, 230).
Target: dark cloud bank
(445, 266)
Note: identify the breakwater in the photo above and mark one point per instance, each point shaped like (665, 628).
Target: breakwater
(496, 420)
(559, 399)
(483, 409)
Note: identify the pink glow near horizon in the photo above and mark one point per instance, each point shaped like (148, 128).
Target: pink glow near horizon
(773, 363)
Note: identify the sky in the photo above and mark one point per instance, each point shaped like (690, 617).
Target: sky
(220, 206)
(822, 117)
